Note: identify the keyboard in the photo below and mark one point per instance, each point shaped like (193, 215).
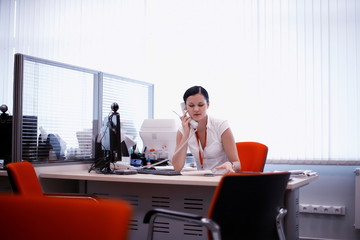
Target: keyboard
(158, 172)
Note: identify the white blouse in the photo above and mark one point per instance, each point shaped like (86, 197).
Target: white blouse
(214, 153)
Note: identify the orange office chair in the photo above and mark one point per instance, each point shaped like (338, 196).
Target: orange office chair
(252, 156)
(24, 181)
(244, 206)
(33, 217)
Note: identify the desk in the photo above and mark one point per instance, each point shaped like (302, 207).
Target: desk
(3, 173)
(187, 193)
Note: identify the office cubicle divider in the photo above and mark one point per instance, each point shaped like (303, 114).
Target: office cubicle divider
(59, 109)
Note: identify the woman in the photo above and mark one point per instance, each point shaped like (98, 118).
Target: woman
(211, 143)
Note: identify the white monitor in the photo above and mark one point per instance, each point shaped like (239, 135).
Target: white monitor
(159, 134)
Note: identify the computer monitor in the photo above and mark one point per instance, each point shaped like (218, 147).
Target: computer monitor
(160, 135)
(110, 146)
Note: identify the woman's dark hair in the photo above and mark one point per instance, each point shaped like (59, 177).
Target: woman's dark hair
(195, 90)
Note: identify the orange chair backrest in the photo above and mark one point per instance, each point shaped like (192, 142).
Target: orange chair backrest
(23, 179)
(24, 217)
(252, 156)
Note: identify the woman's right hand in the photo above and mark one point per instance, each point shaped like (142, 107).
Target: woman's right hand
(185, 122)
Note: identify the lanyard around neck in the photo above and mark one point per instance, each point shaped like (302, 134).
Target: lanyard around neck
(201, 152)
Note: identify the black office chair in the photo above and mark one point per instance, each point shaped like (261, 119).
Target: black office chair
(244, 206)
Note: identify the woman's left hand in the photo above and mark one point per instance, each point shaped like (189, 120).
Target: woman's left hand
(228, 166)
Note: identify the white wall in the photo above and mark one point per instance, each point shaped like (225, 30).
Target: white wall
(336, 187)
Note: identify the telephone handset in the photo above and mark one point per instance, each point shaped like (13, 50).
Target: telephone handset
(193, 123)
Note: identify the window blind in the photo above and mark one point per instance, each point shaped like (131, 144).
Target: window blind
(282, 72)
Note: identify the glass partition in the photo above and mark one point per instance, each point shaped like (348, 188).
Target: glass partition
(135, 101)
(59, 109)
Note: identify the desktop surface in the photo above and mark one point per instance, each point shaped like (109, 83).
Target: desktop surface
(194, 177)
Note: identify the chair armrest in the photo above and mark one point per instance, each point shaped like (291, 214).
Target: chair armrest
(151, 215)
(279, 223)
(169, 213)
(74, 195)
